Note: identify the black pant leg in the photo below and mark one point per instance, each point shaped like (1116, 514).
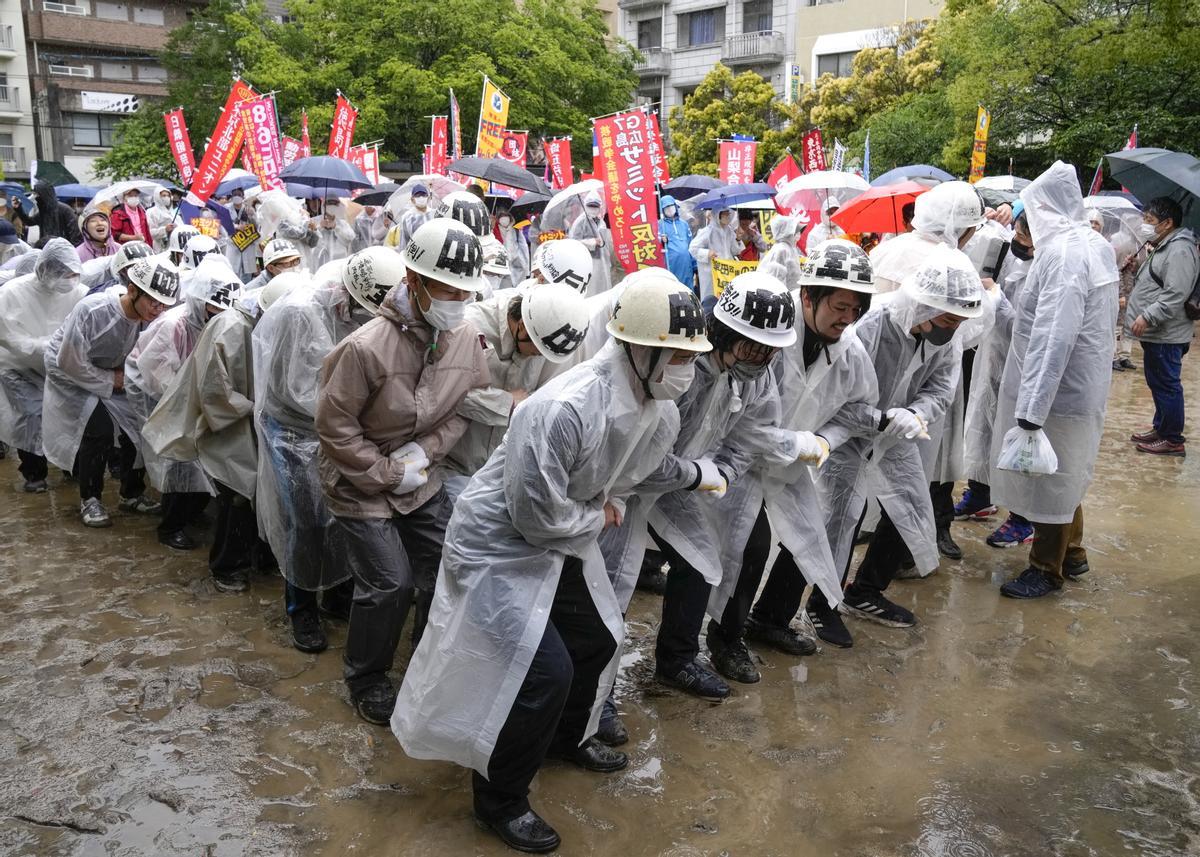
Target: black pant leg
(527, 733)
(754, 562)
(781, 597)
(33, 467)
(297, 599)
(883, 557)
(180, 508)
(92, 456)
(235, 534)
(980, 492)
(684, 603)
(133, 479)
(942, 496)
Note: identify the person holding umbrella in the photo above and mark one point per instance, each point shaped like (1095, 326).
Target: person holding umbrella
(163, 218)
(129, 221)
(717, 240)
(590, 229)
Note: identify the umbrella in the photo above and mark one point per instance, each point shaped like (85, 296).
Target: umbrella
(326, 172)
(233, 182)
(379, 195)
(1110, 203)
(499, 171)
(75, 191)
(914, 172)
(530, 204)
(879, 209)
(146, 187)
(17, 193)
(54, 173)
(1010, 183)
(685, 187)
(439, 188)
(575, 191)
(1151, 173)
(730, 196)
(809, 191)
(1122, 194)
(756, 205)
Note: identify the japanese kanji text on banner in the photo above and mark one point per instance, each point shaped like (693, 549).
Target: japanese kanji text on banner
(814, 151)
(983, 122)
(493, 117)
(658, 157)
(367, 160)
(262, 141)
(291, 148)
(558, 159)
(341, 134)
(724, 270)
(628, 177)
(225, 145)
(737, 161)
(181, 145)
(305, 143)
(439, 139)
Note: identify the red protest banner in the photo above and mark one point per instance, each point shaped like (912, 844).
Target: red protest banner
(262, 141)
(305, 143)
(558, 159)
(456, 119)
(784, 171)
(439, 141)
(737, 161)
(426, 158)
(181, 144)
(225, 144)
(814, 151)
(628, 178)
(291, 148)
(662, 171)
(367, 160)
(513, 146)
(341, 132)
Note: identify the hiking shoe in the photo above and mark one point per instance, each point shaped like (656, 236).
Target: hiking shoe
(1117, 367)
(731, 660)
(1126, 363)
(35, 486)
(1075, 569)
(232, 581)
(529, 833)
(871, 605)
(591, 755)
(1145, 436)
(694, 679)
(307, 633)
(1162, 446)
(178, 540)
(829, 626)
(93, 514)
(1033, 583)
(142, 505)
(783, 639)
(1011, 533)
(375, 704)
(971, 509)
(611, 730)
(946, 545)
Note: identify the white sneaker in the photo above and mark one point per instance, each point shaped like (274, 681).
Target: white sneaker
(93, 514)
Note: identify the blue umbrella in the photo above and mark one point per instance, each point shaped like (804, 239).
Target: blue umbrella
(75, 191)
(17, 193)
(911, 173)
(327, 172)
(727, 196)
(228, 186)
(685, 187)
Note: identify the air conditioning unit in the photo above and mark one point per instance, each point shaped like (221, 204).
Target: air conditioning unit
(63, 8)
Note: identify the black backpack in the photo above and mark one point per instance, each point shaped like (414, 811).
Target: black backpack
(1191, 306)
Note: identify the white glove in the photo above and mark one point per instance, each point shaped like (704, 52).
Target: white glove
(903, 423)
(1027, 451)
(814, 449)
(711, 480)
(414, 477)
(410, 453)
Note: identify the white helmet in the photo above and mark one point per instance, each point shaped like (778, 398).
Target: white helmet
(556, 318)
(127, 254)
(278, 249)
(447, 251)
(839, 264)
(371, 273)
(946, 282)
(197, 247)
(565, 261)
(157, 277)
(279, 286)
(657, 310)
(179, 237)
(758, 307)
(495, 257)
(467, 209)
(950, 208)
(222, 288)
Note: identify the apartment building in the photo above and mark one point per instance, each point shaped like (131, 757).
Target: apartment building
(89, 63)
(16, 116)
(830, 32)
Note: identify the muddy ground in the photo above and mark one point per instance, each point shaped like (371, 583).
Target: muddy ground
(144, 713)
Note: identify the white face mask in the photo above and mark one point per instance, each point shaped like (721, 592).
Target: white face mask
(443, 315)
(676, 379)
(669, 211)
(62, 285)
(420, 202)
(1147, 232)
(504, 220)
(133, 201)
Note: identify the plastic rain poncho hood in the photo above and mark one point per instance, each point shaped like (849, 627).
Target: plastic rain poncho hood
(592, 231)
(782, 261)
(714, 241)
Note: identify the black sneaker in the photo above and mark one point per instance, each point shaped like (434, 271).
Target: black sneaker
(829, 626)
(946, 545)
(611, 730)
(529, 833)
(1076, 569)
(178, 540)
(237, 580)
(868, 604)
(35, 486)
(375, 704)
(591, 755)
(141, 505)
(784, 639)
(696, 680)
(307, 633)
(731, 660)
(1032, 583)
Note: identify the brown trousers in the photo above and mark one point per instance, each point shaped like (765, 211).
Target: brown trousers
(1055, 543)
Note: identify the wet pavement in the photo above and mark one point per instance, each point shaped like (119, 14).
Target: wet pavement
(142, 712)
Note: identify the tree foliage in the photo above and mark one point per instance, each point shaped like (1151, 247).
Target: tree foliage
(396, 60)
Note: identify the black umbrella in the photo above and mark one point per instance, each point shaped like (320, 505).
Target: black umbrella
(325, 171)
(685, 187)
(501, 172)
(1160, 172)
(529, 204)
(379, 196)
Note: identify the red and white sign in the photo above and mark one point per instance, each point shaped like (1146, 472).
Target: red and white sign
(628, 176)
(341, 133)
(291, 148)
(558, 159)
(439, 141)
(181, 144)
(814, 151)
(225, 145)
(513, 146)
(784, 171)
(658, 157)
(367, 160)
(262, 141)
(737, 161)
(305, 143)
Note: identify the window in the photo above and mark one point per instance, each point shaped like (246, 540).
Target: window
(116, 70)
(649, 34)
(705, 27)
(71, 70)
(152, 71)
(839, 65)
(93, 129)
(6, 141)
(148, 15)
(756, 16)
(64, 8)
(112, 11)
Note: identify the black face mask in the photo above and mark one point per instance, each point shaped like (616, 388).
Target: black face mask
(939, 335)
(1021, 251)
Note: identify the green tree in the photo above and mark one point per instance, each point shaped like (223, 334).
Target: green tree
(721, 106)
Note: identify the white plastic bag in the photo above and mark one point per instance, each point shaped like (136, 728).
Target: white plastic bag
(1028, 452)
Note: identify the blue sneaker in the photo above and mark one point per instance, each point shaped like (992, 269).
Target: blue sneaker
(968, 509)
(1011, 533)
(1033, 583)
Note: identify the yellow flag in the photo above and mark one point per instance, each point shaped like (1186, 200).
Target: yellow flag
(983, 122)
(493, 118)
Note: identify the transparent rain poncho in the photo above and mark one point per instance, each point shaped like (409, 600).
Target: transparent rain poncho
(584, 438)
(782, 261)
(1059, 367)
(714, 241)
(598, 238)
(31, 308)
(937, 219)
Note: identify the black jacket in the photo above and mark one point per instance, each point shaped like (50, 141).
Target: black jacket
(55, 219)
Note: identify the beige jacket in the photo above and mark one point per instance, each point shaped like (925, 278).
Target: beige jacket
(382, 387)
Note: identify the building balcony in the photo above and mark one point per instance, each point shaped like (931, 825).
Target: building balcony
(8, 44)
(630, 5)
(12, 159)
(10, 102)
(764, 48)
(54, 26)
(655, 63)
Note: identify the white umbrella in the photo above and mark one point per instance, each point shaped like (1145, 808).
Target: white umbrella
(567, 205)
(117, 191)
(1013, 184)
(1118, 203)
(800, 191)
(578, 189)
(439, 188)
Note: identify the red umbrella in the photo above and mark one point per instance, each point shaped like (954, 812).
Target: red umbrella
(878, 209)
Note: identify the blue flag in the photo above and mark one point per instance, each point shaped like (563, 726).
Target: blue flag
(867, 157)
